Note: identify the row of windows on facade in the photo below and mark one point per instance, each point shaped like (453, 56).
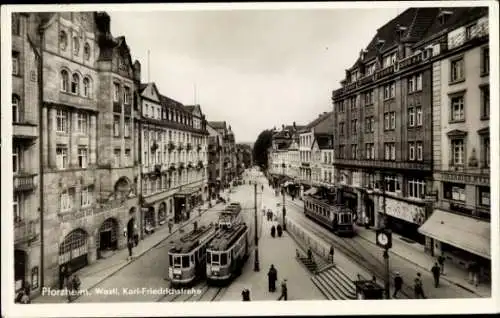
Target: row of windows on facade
(414, 82)
(415, 151)
(174, 136)
(75, 43)
(63, 158)
(161, 113)
(173, 157)
(415, 119)
(164, 182)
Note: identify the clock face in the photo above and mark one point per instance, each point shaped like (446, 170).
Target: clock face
(382, 238)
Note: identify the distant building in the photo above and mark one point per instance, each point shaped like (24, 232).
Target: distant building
(215, 162)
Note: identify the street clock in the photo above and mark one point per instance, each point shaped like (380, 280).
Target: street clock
(384, 238)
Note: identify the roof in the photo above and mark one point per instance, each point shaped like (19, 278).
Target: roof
(169, 102)
(189, 241)
(317, 121)
(142, 86)
(225, 238)
(189, 108)
(217, 124)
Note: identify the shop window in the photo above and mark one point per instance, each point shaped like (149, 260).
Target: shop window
(454, 191)
(484, 196)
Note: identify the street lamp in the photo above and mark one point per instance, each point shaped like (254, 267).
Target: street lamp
(256, 267)
(384, 239)
(284, 209)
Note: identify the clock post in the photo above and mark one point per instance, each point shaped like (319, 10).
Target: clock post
(384, 240)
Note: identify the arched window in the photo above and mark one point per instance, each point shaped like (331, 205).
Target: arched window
(86, 87)
(76, 46)
(15, 109)
(63, 40)
(64, 80)
(75, 81)
(86, 51)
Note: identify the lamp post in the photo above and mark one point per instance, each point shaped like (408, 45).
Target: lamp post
(283, 193)
(256, 267)
(386, 240)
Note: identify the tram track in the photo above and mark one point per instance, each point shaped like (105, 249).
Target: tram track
(350, 248)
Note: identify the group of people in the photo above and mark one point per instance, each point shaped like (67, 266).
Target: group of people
(276, 229)
(272, 277)
(70, 281)
(23, 295)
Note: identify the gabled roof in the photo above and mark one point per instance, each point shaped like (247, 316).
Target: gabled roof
(217, 124)
(189, 108)
(317, 121)
(169, 102)
(142, 87)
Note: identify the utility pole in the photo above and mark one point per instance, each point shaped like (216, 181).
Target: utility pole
(284, 208)
(256, 267)
(386, 250)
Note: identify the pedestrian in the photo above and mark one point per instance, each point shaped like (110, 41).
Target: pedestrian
(27, 288)
(284, 291)
(245, 294)
(398, 284)
(418, 287)
(130, 246)
(76, 282)
(474, 273)
(279, 229)
(273, 231)
(272, 277)
(309, 254)
(330, 257)
(69, 288)
(441, 263)
(436, 271)
(367, 222)
(63, 275)
(170, 225)
(25, 298)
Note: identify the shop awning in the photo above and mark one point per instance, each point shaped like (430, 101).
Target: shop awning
(311, 191)
(460, 231)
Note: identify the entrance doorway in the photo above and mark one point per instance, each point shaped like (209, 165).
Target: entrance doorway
(108, 238)
(179, 209)
(370, 211)
(19, 268)
(73, 251)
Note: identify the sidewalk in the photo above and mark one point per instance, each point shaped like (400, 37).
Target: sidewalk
(281, 252)
(415, 254)
(95, 273)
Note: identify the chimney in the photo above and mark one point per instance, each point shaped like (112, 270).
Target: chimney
(137, 71)
(294, 126)
(282, 127)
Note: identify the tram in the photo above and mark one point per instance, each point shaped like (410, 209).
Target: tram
(230, 215)
(326, 211)
(187, 258)
(227, 254)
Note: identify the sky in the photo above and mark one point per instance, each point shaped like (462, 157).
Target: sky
(254, 69)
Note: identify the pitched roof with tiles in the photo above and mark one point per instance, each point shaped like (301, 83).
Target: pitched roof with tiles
(316, 121)
(217, 124)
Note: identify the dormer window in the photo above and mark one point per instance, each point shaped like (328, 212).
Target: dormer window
(380, 44)
(389, 60)
(427, 52)
(400, 30)
(444, 16)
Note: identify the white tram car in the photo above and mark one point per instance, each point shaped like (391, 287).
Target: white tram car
(337, 217)
(187, 258)
(227, 253)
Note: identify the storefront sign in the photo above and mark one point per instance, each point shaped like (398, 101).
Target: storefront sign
(466, 178)
(402, 210)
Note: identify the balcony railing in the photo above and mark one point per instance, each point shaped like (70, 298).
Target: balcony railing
(24, 182)
(189, 146)
(25, 231)
(23, 125)
(366, 79)
(410, 60)
(351, 86)
(383, 164)
(385, 71)
(171, 146)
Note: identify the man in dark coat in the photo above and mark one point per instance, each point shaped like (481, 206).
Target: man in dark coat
(273, 231)
(436, 271)
(245, 295)
(63, 276)
(130, 246)
(330, 257)
(279, 229)
(441, 262)
(272, 277)
(398, 284)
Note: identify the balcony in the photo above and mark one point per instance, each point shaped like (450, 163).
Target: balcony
(171, 146)
(189, 146)
(157, 168)
(410, 61)
(382, 164)
(351, 86)
(154, 146)
(198, 147)
(25, 231)
(180, 147)
(385, 71)
(190, 165)
(366, 80)
(24, 182)
(172, 167)
(479, 177)
(181, 165)
(23, 127)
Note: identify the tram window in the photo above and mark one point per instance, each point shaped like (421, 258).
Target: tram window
(185, 261)
(223, 259)
(170, 261)
(215, 258)
(208, 257)
(192, 258)
(177, 260)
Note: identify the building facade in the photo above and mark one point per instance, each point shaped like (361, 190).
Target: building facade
(228, 151)
(90, 202)
(215, 162)
(385, 135)
(25, 153)
(461, 142)
(172, 143)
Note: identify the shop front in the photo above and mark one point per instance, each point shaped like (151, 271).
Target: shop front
(402, 217)
(446, 236)
(184, 201)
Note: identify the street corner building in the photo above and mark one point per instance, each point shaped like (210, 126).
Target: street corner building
(411, 122)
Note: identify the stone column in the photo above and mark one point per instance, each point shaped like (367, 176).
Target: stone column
(72, 140)
(52, 138)
(92, 140)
